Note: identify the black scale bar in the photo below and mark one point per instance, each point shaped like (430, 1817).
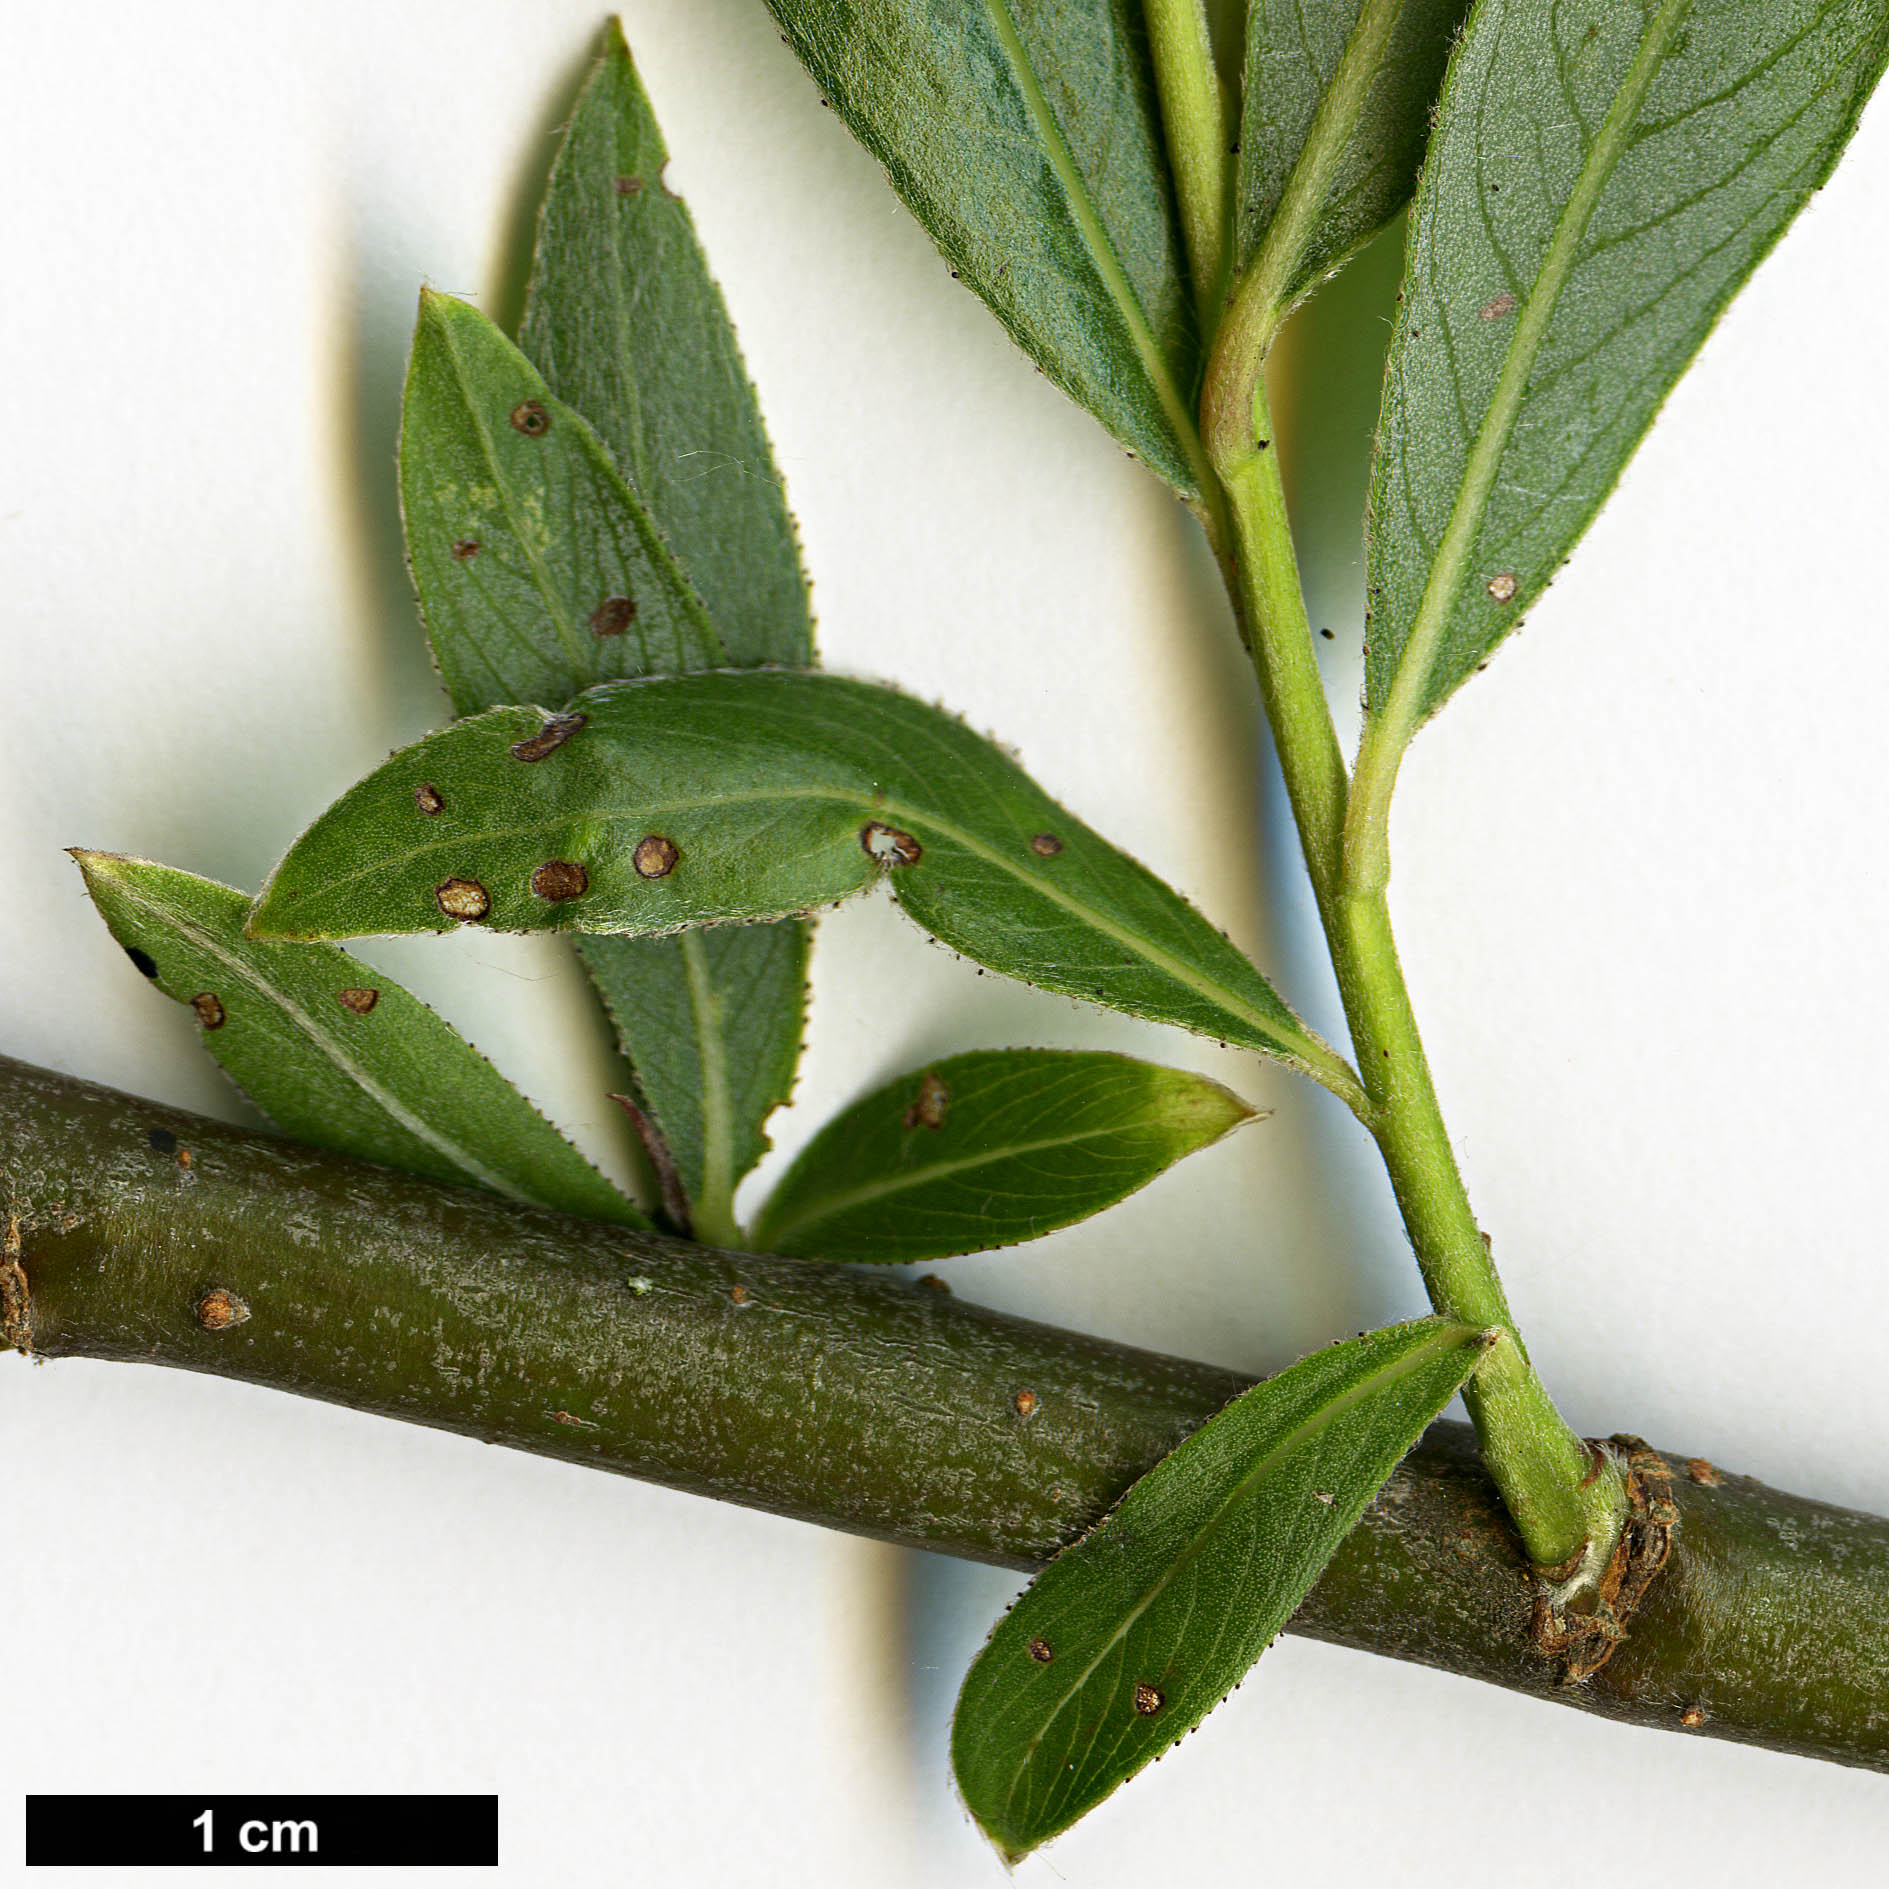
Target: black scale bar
(269, 1832)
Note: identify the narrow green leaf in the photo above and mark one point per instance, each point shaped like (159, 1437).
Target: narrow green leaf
(335, 1053)
(1335, 115)
(1602, 179)
(1025, 136)
(987, 1149)
(712, 1023)
(539, 570)
(1130, 1638)
(627, 325)
(699, 800)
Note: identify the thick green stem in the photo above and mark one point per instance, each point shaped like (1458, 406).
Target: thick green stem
(1262, 570)
(1546, 1474)
(1560, 1504)
(278, 1265)
(1194, 118)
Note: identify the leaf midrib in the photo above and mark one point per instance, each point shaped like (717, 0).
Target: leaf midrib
(1100, 244)
(1326, 1414)
(831, 1205)
(369, 1084)
(1404, 706)
(1335, 119)
(566, 629)
(711, 1049)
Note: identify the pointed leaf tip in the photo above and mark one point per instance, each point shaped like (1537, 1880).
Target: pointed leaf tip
(625, 322)
(1027, 142)
(989, 1149)
(765, 794)
(336, 1053)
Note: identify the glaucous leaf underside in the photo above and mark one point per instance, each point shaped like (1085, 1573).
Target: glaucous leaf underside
(987, 1149)
(1380, 118)
(1602, 179)
(626, 324)
(1025, 136)
(711, 1022)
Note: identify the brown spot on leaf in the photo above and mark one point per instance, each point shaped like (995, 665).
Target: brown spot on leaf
(358, 998)
(739, 1294)
(427, 798)
(929, 1105)
(655, 856)
(1046, 845)
(1692, 1717)
(552, 736)
(1026, 1402)
(888, 846)
(1148, 1699)
(560, 879)
(464, 548)
(209, 1008)
(1502, 586)
(932, 1283)
(1041, 1651)
(1702, 1472)
(613, 616)
(1497, 306)
(463, 899)
(629, 186)
(219, 1309)
(531, 419)
(185, 1159)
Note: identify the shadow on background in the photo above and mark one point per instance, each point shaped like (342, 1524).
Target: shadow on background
(374, 329)
(510, 272)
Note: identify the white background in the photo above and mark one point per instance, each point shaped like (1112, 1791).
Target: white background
(1639, 882)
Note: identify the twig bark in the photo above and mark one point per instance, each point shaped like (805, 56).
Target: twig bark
(858, 1401)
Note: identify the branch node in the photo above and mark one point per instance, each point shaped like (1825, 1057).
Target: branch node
(1583, 1614)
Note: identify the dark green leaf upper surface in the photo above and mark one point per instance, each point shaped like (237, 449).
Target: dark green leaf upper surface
(539, 570)
(627, 325)
(696, 800)
(987, 1149)
(1293, 53)
(1131, 1637)
(1602, 179)
(1025, 136)
(335, 1053)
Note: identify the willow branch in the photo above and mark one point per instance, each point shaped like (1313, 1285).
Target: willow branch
(143, 1233)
